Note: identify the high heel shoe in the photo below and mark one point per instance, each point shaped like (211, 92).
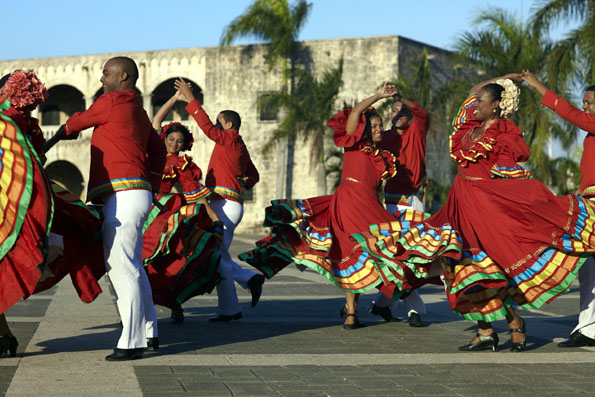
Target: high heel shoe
(518, 346)
(343, 312)
(9, 344)
(356, 324)
(483, 342)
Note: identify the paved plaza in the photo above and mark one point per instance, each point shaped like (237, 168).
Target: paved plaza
(290, 344)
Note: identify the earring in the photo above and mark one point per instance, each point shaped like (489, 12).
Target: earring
(494, 110)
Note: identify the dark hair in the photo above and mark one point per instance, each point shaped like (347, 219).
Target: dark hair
(495, 90)
(232, 117)
(4, 79)
(368, 129)
(592, 88)
(404, 112)
(185, 132)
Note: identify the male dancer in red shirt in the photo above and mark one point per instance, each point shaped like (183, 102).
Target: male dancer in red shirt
(230, 171)
(407, 141)
(584, 333)
(126, 156)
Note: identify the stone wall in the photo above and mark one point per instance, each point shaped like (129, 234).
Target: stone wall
(233, 78)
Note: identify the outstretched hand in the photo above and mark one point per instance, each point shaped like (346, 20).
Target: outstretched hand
(184, 90)
(514, 77)
(388, 90)
(530, 79)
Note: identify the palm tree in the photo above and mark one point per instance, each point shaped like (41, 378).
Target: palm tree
(308, 108)
(502, 45)
(574, 56)
(279, 24)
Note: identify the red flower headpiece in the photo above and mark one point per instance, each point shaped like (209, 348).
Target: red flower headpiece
(188, 138)
(24, 89)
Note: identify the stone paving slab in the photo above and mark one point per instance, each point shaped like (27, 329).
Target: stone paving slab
(291, 344)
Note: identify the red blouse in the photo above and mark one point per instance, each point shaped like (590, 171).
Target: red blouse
(183, 170)
(585, 122)
(28, 125)
(362, 162)
(493, 154)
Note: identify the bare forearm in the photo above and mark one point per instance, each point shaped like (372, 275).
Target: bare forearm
(512, 76)
(163, 111)
(354, 116)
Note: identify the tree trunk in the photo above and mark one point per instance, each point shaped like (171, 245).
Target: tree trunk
(321, 188)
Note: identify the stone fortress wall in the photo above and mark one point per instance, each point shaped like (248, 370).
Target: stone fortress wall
(232, 78)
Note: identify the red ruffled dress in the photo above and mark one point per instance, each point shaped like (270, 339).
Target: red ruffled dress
(521, 243)
(180, 250)
(24, 268)
(316, 232)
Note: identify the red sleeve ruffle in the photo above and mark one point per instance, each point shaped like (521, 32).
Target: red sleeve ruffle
(339, 123)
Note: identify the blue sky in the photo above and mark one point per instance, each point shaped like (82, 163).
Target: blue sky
(43, 28)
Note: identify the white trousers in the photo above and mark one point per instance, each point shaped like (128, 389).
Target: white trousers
(124, 214)
(230, 213)
(413, 303)
(586, 317)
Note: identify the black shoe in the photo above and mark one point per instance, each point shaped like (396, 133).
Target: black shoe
(225, 318)
(356, 324)
(8, 344)
(153, 343)
(577, 339)
(383, 312)
(343, 312)
(177, 315)
(126, 354)
(415, 320)
(520, 346)
(255, 287)
(485, 342)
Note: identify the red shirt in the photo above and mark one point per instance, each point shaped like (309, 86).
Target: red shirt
(585, 122)
(126, 152)
(229, 161)
(410, 150)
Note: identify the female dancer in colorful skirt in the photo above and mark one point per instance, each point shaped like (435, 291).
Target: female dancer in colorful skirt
(316, 232)
(521, 243)
(181, 244)
(51, 233)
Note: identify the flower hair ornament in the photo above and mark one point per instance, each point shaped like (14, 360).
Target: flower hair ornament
(188, 138)
(23, 89)
(509, 103)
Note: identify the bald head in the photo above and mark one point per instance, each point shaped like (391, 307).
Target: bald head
(119, 73)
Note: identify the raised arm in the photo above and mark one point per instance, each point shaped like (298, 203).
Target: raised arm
(165, 109)
(512, 76)
(355, 115)
(561, 106)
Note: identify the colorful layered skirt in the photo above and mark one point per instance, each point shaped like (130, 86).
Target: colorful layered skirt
(312, 233)
(520, 244)
(180, 251)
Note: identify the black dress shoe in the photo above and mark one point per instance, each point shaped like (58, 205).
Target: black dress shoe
(483, 342)
(415, 320)
(383, 312)
(153, 343)
(225, 318)
(255, 287)
(577, 339)
(126, 354)
(8, 344)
